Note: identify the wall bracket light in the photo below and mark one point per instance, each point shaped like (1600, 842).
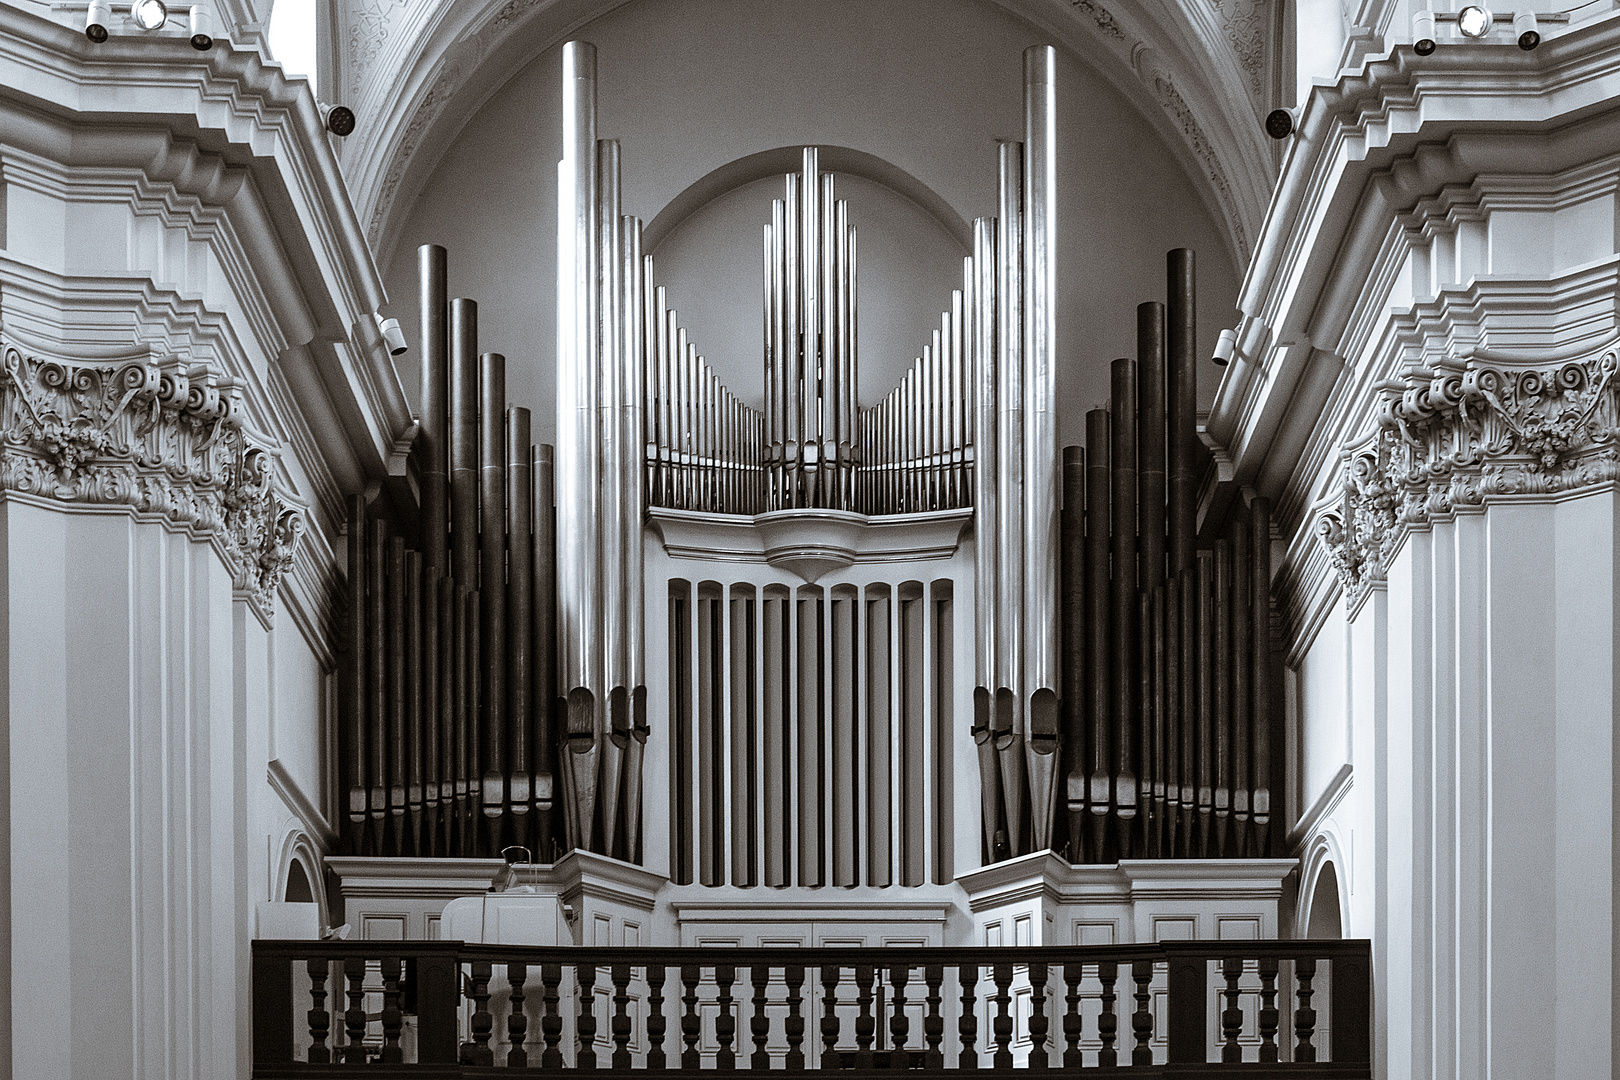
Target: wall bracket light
(1475, 22)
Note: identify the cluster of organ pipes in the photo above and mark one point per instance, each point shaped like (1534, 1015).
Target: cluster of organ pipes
(1168, 676)
(494, 688)
(447, 730)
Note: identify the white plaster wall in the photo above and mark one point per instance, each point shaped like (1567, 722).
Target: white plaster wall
(124, 777)
(690, 85)
(1324, 709)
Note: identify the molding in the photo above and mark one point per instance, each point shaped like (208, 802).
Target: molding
(163, 439)
(365, 877)
(1046, 876)
(1325, 804)
(1462, 432)
(786, 537)
(308, 814)
(1374, 149)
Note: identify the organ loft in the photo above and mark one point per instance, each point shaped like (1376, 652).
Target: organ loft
(685, 536)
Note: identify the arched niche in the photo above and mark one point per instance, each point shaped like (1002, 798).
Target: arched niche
(1325, 921)
(706, 248)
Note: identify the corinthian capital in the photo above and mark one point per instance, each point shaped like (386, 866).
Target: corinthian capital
(163, 438)
(1460, 433)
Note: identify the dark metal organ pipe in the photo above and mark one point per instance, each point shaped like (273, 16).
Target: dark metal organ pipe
(493, 661)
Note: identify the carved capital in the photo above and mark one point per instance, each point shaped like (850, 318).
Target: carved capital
(1461, 432)
(161, 438)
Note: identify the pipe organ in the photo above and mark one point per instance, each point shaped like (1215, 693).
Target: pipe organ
(1105, 682)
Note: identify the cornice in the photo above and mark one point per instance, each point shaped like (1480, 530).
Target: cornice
(1369, 150)
(232, 132)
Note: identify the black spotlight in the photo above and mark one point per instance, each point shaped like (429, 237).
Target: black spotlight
(202, 27)
(1524, 28)
(96, 20)
(340, 120)
(1280, 123)
(1423, 32)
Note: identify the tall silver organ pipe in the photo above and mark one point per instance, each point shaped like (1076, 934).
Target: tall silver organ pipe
(1042, 672)
(577, 469)
(494, 682)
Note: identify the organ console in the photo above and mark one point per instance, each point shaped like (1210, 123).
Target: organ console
(1119, 697)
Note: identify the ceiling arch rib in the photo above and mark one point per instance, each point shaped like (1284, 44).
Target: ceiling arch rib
(418, 69)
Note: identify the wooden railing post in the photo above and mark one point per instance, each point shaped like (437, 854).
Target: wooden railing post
(437, 1002)
(1188, 1011)
(1350, 1010)
(272, 1007)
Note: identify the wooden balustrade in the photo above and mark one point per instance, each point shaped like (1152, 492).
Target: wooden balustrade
(452, 1009)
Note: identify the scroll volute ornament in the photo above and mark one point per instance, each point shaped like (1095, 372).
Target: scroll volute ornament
(1463, 431)
(161, 438)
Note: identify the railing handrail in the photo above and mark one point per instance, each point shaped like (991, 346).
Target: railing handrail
(439, 987)
(818, 956)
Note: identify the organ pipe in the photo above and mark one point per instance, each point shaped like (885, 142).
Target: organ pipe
(498, 667)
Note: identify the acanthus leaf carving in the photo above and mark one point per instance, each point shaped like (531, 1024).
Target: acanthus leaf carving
(1459, 433)
(164, 439)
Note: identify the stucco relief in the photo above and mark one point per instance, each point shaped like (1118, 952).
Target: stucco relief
(1460, 432)
(164, 439)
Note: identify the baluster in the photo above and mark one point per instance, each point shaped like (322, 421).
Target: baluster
(620, 974)
(1232, 1015)
(691, 1022)
(1305, 1016)
(551, 1024)
(829, 1016)
(1037, 1014)
(1002, 1027)
(655, 1017)
(865, 1025)
(1072, 974)
(354, 1018)
(967, 1024)
(392, 1018)
(585, 1021)
(1107, 1023)
(725, 1025)
(320, 1020)
(517, 1024)
(478, 1052)
(1268, 1008)
(759, 1026)
(794, 977)
(899, 1026)
(1142, 1019)
(933, 1023)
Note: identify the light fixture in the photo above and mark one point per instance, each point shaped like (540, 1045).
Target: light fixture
(1474, 21)
(339, 119)
(1280, 123)
(202, 27)
(1225, 346)
(149, 14)
(392, 335)
(1524, 28)
(96, 19)
(1423, 32)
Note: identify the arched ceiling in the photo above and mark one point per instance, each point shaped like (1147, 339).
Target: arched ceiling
(415, 70)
